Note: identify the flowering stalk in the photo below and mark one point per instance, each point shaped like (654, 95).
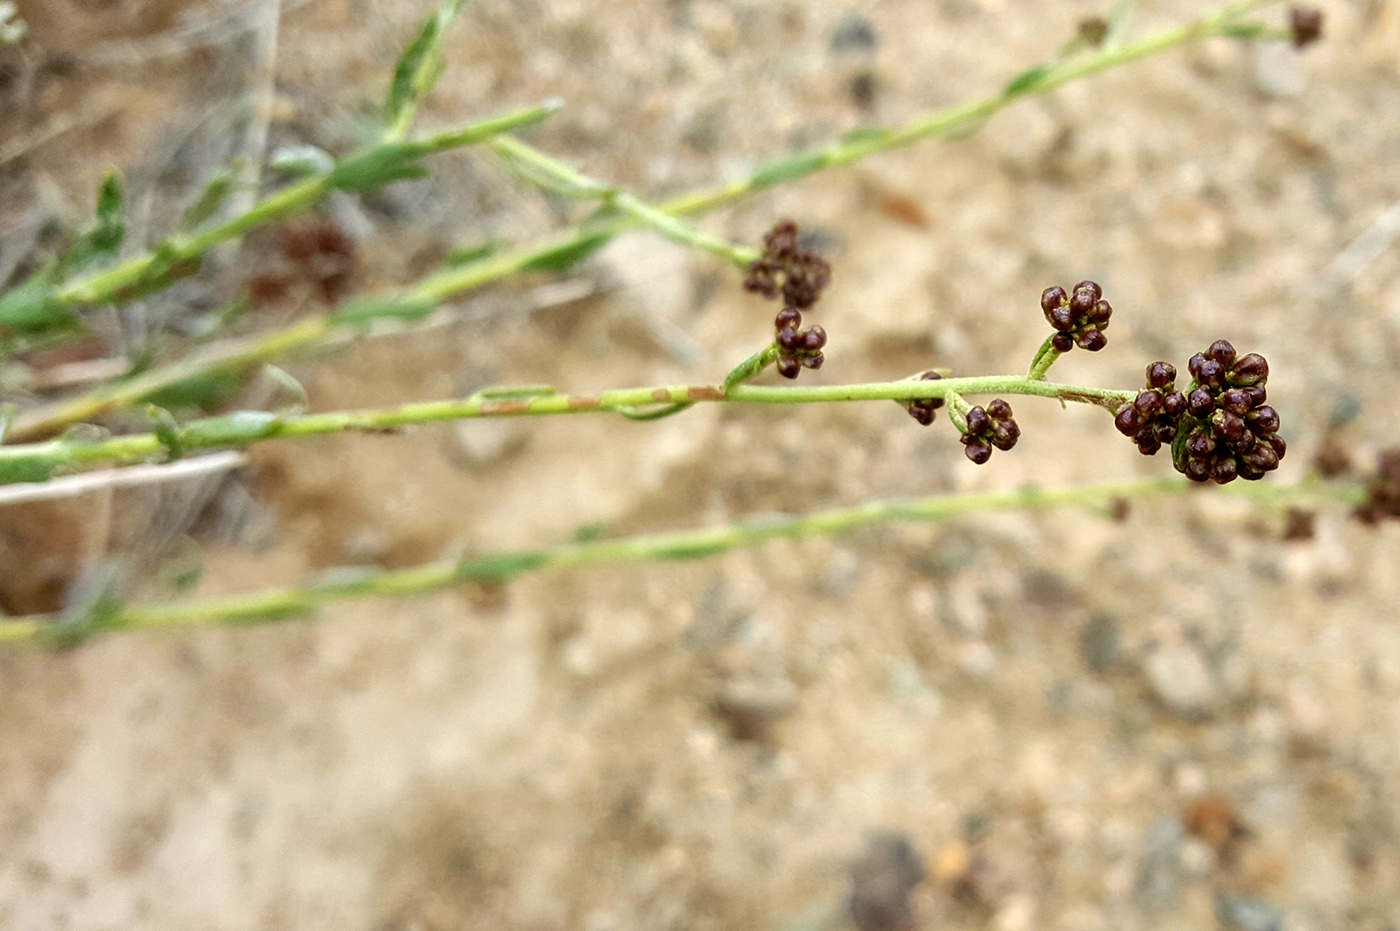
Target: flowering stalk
(36, 462)
(302, 600)
(563, 249)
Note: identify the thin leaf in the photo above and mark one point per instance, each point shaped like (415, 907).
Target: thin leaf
(99, 244)
(213, 198)
(561, 258)
(789, 169)
(1026, 80)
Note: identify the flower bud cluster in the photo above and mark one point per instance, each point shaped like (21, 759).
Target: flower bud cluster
(1079, 317)
(799, 275)
(797, 348)
(1219, 427)
(923, 410)
(992, 426)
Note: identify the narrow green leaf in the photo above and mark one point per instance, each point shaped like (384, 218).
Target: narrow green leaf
(403, 88)
(1026, 80)
(213, 198)
(284, 380)
(563, 257)
(34, 306)
(789, 169)
(99, 244)
(460, 258)
(379, 165)
(402, 307)
(200, 391)
(302, 160)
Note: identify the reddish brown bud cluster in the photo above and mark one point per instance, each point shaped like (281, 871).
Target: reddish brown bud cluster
(799, 275)
(1305, 23)
(923, 410)
(1079, 317)
(1151, 418)
(1219, 427)
(993, 426)
(1383, 492)
(797, 348)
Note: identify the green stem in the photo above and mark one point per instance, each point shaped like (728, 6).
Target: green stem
(1044, 358)
(298, 601)
(108, 285)
(38, 461)
(593, 233)
(557, 176)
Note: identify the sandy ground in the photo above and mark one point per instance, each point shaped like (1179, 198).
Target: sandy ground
(1077, 722)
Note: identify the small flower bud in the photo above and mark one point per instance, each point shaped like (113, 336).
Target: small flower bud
(1200, 403)
(1092, 340)
(1052, 298)
(999, 409)
(789, 339)
(1263, 419)
(788, 317)
(1062, 342)
(977, 420)
(1091, 287)
(1250, 370)
(788, 367)
(1161, 374)
(813, 339)
(1221, 351)
(978, 451)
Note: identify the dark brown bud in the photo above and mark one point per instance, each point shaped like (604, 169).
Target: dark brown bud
(1174, 404)
(1053, 297)
(788, 318)
(813, 339)
(1061, 318)
(1090, 286)
(1221, 351)
(999, 409)
(977, 451)
(1236, 401)
(788, 367)
(1149, 403)
(814, 361)
(1263, 419)
(1092, 340)
(1062, 342)
(789, 339)
(1200, 403)
(1250, 370)
(977, 420)
(1160, 374)
(1224, 471)
(1127, 420)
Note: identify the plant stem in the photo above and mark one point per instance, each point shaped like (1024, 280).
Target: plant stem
(108, 285)
(599, 229)
(298, 601)
(1044, 358)
(37, 461)
(554, 175)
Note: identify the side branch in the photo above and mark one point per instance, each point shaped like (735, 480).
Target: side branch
(302, 600)
(37, 462)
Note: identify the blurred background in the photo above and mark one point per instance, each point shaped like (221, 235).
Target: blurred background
(1182, 715)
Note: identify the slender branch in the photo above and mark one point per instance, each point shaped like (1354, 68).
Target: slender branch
(559, 249)
(301, 600)
(110, 285)
(1045, 357)
(419, 70)
(36, 462)
(555, 175)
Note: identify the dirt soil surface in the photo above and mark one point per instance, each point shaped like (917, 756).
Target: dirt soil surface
(1173, 719)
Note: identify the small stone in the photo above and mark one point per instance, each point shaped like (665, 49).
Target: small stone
(1157, 886)
(1182, 682)
(1241, 913)
(881, 883)
(752, 706)
(854, 33)
(1100, 642)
